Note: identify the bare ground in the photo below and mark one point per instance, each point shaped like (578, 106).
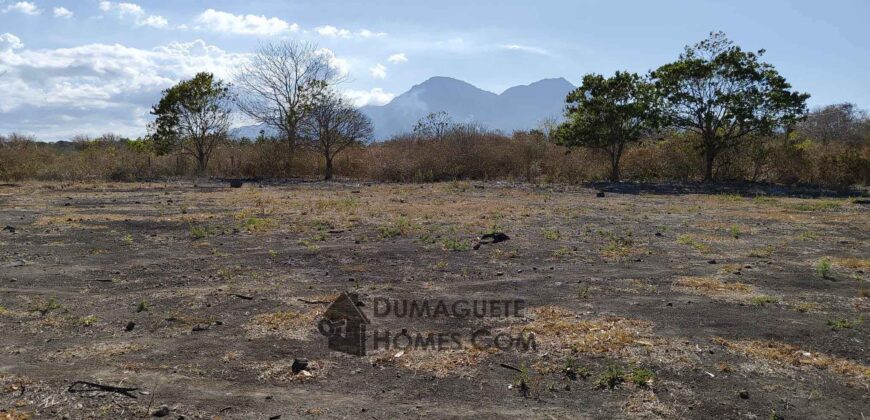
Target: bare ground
(691, 305)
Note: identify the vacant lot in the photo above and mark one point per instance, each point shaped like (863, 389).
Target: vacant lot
(642, 304)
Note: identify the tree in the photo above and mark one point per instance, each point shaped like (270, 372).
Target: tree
(333, 124)
(609, 114)
(839, 122)
(281, 83)
(434, 126)
(193, 117)
(725, 94)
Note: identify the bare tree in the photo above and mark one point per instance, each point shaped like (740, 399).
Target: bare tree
(839, 122)
(434, 126)
(332, 125)
(280, 84)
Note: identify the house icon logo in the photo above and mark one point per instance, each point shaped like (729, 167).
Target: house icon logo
(344, 325)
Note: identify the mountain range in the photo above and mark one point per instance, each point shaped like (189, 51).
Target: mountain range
(518, 108)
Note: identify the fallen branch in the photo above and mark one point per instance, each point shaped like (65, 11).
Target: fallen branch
(91, 386)
(507, 366)
(314, 302)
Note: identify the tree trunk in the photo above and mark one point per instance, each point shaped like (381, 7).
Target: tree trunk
(327, 175)
(202, 163)
(615, 156)
(710, 156)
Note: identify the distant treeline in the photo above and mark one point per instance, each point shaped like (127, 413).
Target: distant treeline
(831, 147)
(717, 112)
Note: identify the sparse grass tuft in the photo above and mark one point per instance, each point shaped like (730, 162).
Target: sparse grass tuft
(551, 234)
(641, 377)
(823, 268)
(451, 244)
(690, 240)
(762, 300)
(610, 378)
(399, 227)
(89, 320)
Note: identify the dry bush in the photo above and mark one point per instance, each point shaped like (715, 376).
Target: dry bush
(461, 154)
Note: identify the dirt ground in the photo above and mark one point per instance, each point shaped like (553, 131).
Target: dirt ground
(643, 303)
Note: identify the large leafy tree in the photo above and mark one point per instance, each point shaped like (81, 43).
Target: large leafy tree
(609, 113)
(725, 95)
(193, 117)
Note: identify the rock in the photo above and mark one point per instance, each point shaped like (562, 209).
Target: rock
(711, 262)
(236, 183)
(744, 394)
(200, 327)
(161, 412)
(490, 238)
(17, 263)
(499, 273)
(130, 326)
(10, 229)
(658, 234)
(299, 365)
(600, 194)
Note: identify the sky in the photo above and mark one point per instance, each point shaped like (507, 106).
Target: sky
(91, 66)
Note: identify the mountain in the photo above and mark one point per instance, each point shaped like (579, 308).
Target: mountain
(518, 108)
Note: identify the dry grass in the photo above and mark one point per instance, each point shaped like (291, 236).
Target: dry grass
(290, 324)
(560, 329)
(711, 286)
(458, 363)
(104, 350)
(852, 262)
(645, 404)
(791, 355)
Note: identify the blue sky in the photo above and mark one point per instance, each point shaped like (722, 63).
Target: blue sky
(91, 66)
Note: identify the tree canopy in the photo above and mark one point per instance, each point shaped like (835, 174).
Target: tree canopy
(193, 116)
(609, 113)
(724, 94)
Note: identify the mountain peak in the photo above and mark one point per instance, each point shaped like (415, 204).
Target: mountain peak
(517, 108)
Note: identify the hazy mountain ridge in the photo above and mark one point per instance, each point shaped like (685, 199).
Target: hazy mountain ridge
(517, 108)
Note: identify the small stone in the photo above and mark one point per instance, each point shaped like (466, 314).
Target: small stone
(711, 262)
(499, 273)
(9, 229)
(600, 195)
(130, 326)
(161, 412)
(299, 365)
(658, 234)
(744, 394)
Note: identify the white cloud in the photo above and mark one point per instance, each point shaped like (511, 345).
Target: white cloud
(376, 96)
(340, 64)
(379, 71)
(97, 87)
(333, 32)
(527, 49)
(26, 7)
(398, 58)
(62, 12)
(154, 21)
(135, 12)
(365, 33)
(217, 21)
(9, 42)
